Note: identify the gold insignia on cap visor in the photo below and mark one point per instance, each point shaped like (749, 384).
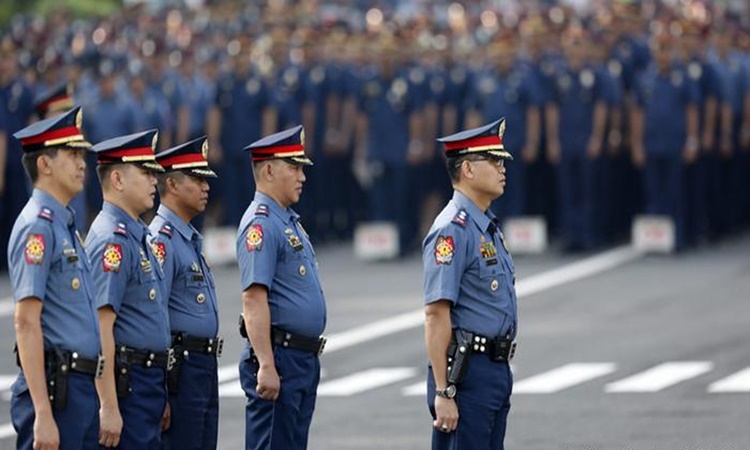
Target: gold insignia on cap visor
(204, 149)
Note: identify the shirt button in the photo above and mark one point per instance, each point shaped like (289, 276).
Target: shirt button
(75, 283)
(200, 298)
(152, 294)
(494, 285)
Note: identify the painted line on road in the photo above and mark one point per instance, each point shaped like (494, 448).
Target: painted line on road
(738, 382)
(563, 377)
(364, 381)
(7, 431)
(660, 377)
(7, 306)
(525, 287)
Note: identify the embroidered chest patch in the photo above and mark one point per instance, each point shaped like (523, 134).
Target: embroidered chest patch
(34, 251)
(254, 239)
(444, 249)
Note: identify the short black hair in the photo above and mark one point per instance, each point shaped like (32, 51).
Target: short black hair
(104, 170)
(453, 164)
(29, 160)
(161, 180)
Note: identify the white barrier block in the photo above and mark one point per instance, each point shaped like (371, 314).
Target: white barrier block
(525, 235)
(219, 245)
(376, 241)
(653, 234)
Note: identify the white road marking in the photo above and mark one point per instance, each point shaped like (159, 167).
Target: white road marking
(738, 382)
(660, 377)
(365, 381)
(7, 431)
(415, 390)
(563, 377)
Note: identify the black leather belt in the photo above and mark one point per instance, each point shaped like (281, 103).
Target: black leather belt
(78, 364)
(498, 349)
(145, 358)
(208, 346)
(297, 341)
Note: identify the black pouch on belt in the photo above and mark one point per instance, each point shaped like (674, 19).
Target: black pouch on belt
(458, 356)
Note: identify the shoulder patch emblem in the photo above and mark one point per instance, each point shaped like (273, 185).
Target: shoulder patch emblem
(444, 250)
(262, 210)
(159, 249)
(46, 213)
(34, 252)
(121, 230)
(112, 258)
(460, 218)
(166, 230)
(254, 239)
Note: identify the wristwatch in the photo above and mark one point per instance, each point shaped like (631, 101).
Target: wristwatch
(448, 392)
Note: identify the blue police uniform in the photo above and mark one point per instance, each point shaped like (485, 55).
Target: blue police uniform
(16, 106)
(129, 279)
(193, 313)
(466, 263)
(659, 95)
(241, 100)
(47, 261)
(388, 103)
(577, 93)
(274, 251)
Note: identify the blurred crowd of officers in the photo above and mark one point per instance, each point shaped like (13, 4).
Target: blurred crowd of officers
(629, 108)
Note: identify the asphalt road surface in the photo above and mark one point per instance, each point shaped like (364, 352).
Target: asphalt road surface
(617, 351)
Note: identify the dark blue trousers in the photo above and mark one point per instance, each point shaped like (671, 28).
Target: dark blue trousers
(142, 410)
(664, 186)
(195, 408)
(285, 423)
(77, 423)
(577, 177)
(483, 401)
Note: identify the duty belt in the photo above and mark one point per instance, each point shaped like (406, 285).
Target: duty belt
(498, 349)
(208, 346)
(145, 358)
(298, 341)
(75, 363)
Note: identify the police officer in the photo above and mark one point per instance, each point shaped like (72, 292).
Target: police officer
(193, 313)
(132, 308)
(57, 332)
(283, 304)
(470, 298)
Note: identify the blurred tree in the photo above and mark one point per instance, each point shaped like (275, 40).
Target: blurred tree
(79, 8)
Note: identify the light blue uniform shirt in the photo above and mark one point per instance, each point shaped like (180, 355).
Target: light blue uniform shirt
(274, 251)
(47, 261)
(188, 281)
(469, 266)
(129, 279)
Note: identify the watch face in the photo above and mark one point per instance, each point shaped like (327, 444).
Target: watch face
(450, 391)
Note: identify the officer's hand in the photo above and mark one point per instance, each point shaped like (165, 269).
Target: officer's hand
(553, 151)
(46, 434)
(529, 153)
(269, 384)
(639, 156)
(708, 142)
(166, 418)
(446, 413)
(110, 427)
(594, 148)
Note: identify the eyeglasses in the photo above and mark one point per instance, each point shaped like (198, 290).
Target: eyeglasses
(495, 162)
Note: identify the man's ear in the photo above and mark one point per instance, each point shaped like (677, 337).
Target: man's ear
(44, 164)
(117, 179)
(466, 169)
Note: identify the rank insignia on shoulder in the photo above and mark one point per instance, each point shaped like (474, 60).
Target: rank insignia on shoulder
(160, 251)
(254, 239)
(112, 258)
(460, 218)
(262, 210)
(34, 252)
(166, 230)
(121, 230)
(46, 213)
(444, 250)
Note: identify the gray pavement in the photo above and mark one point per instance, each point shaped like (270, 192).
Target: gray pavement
(690, 309)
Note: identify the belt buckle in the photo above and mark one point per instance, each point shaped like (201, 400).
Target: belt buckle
(99, 366)
(219, 346)
(322, 345)
(171, 360)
